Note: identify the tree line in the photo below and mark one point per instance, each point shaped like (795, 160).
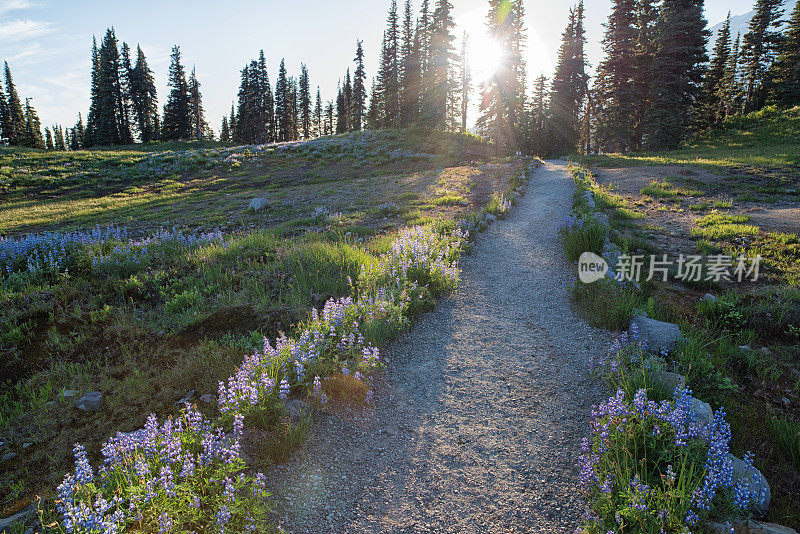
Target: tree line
(655, 86)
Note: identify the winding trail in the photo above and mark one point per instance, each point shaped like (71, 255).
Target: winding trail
(478, 421)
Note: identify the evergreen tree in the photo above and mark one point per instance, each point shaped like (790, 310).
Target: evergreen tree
(536, 141)
(760, 46)
(786, 72)
(341, 110)
(48, 136)
(503, 101)
(3, 113)
(711, 105)
(374, 119)
(569, 86)
(410, 70)
(645, 52)
(305, 102)
(318, 114)
(33, 129)
(329, 115)
(233, 123)
(177, 122)
(143, 97)
(224, 131)
(677, 72)
(126, 102)
(616, 95)
(200, 129)
(60, 141)
(295, 109)
(283, 106)
(466, 81)
(77, 136)
(14, 128)
(266, 103)
(359, 90)
(91, 119)
(390, 69)
(730, 89)
(440, 91)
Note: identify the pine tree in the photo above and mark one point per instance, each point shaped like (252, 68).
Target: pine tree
(107, 123)
(233, 123)
(295, 110)
(318, 115)
(616, 120)
(48, 136)
(143, 96)
(200, 129)
(329, 115)
(14, 127)
(645, 52)
(440, 90)
(503, 101)
(359, 90)
(177, 122)
(760, 46)
(389, 70)
(283, 106)
(536, 141)
(786, 72)
(569, 86)
(305, 102)
(711, 106)
(78, 134)
(3, 113)
(33, 129)
(225, 131)
(677, 72)
(126, 102)
(730, 89)
(410, 70)
(374, 119)
(466, 81)
(91, 119)
(266, 103)
(60, 142)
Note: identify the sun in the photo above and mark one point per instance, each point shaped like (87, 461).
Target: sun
(485, 56)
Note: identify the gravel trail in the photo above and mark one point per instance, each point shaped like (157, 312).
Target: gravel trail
(478, 419)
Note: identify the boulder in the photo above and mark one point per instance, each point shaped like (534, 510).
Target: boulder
(297, 408)
(208, 398)
(491, 217)
(758, 485)
(258, 204)
(185, 399)
(749, 527)
(670, 379)
(91, 402)
(702, 412)
(7, 522)
(602, 219)
(657, 335)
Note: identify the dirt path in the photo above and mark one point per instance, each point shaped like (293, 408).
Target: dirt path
(477, 425)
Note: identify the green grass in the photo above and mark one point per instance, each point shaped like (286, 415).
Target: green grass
(667, 190)
(716, 225)
(448, 200)
(787, 434)
(765, 139)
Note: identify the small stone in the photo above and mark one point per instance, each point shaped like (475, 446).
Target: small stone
(258, 204)
(69, 394)
(745, 348)
(765, 351)
(26, 445)
(7, 522)
(91, 402)
(708, 297)
(786, 402)
(657, 334)
(8, 457)
(297, 408)
(602, 219)
(491, 217)
(185, 399)
(463, 203)
(208, 398)
(671, 380)
(702, 412)
(758, 485)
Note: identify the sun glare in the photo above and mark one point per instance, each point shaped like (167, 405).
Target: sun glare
(485, 56)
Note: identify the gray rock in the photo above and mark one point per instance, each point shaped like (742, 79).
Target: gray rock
(8, 457)
(69, 394)
(758, 485)
(91, 402)
(491, 217)
(708, 297)
(590, 201)
(602, 219)
(611, 253)
(209, 398)
(186, 398)
(658, 335)
(749, 527)
(6, 522)
(670, 379)
(258, 204)
(765, 351)
(745, 348)
(297, 408)
(702, 412)
(463, 203)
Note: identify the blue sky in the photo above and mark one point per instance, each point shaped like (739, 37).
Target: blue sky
(47, 42)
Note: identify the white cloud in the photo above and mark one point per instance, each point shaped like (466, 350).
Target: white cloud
(11, 5)
(18, 30)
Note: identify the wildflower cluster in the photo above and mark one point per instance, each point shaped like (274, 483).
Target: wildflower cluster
(499, 205)
(652, 467)
(181, 475)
